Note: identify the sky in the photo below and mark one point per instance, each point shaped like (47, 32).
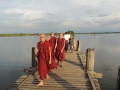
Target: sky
(45, 16)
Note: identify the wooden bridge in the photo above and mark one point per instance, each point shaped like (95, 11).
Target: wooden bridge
(77, 74)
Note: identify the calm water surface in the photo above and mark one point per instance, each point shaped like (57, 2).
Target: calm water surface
(15, 55)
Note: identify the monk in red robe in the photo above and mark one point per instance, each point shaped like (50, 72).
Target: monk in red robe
(44, 58)
(60, 52)
(52, 43)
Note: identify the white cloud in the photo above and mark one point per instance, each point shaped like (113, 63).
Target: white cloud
(25, 18)
(63, 14)
(27, 14)
(87, 2)
(85, 23)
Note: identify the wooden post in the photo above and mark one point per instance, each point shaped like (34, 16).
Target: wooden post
(34, 60)
(74, 45)
(90, 54)
(78, 46)
(118, 79)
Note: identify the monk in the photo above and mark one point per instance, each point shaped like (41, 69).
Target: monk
(60, 52)
(44, 58)
(52, 43)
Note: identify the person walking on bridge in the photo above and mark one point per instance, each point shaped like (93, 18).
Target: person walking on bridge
(67, 37)
(44, 58)
(60, 51)
(52, 42)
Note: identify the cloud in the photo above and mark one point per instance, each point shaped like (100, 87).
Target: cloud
(110, 21)
(86, 2)
(59, 15)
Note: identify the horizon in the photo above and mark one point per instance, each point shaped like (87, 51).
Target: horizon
(60, 32)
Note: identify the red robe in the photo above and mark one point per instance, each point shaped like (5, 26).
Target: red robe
(43, 56)
(52, 42)
(60, 45)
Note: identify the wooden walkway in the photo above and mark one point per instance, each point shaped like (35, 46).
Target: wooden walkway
(73, 76)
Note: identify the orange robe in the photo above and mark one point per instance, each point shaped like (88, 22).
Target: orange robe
(60, 44)
(43, 56)
(52, 42)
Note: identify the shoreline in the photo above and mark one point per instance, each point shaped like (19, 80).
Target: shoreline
(37, 34)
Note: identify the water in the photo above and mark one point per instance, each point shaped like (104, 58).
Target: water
(15, 55)
(107, 56)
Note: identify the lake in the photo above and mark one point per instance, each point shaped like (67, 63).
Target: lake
(15, 55)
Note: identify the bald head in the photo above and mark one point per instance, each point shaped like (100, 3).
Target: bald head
(60, 35)
(52, 34)
(42, 37)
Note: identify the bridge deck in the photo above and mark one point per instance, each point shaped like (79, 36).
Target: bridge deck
(71, 77)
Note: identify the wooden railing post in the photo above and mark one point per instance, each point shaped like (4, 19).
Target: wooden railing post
(118, 79)
(78, 46)
(34, 60)
(74, 43)
(90, 54)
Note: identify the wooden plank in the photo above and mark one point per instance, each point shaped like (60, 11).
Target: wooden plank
(72, 77)
(26, 78)
(91, 81)
(50, 88)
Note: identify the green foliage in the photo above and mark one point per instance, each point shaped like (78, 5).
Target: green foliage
(72, 33)
(56, 34)
(24, 34)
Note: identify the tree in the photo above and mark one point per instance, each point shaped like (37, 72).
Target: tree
(72, 33)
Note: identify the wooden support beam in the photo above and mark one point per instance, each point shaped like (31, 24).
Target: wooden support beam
(118, 79)
(29, 70)
(98, 75)
(74, 43)
(82, 53)
(34, 60)
(90, 54)
(78, 46)
(95, 75)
